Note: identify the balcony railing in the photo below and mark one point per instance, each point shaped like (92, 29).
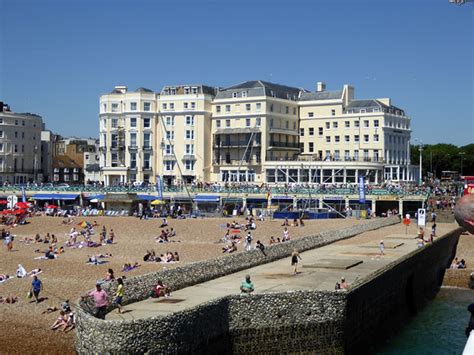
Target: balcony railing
(236, 144)
(147, 147)
(284, 145)
(133, 147)
(236, 163)
(304, 158)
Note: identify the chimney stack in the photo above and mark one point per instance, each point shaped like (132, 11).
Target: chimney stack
(121, 88)
(320, 86)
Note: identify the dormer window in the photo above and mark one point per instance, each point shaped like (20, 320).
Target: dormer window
(194, 90)
(244, 93)
(234, 95)
(187, 91)
(173, 91)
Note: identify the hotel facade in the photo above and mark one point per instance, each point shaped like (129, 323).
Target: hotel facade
(254, 131)
(21, 154)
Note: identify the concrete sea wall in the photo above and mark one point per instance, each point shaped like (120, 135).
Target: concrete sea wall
(329, 322)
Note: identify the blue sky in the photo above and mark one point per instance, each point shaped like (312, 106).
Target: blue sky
(58, 57)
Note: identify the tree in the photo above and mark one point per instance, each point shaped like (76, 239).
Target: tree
(441, 157)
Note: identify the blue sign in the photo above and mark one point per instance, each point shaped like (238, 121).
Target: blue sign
(159, 186)
(361, 189)
(23, 194)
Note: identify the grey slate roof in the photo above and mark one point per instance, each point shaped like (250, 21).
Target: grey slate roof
(365, 104)
(261, 88)
(323, 95)
(202, 89)
(372, 103)
(143, 90)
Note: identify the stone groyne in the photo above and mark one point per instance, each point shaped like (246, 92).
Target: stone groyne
(329, 322)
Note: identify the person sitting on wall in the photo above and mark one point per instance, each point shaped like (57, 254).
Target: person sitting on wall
(246, 287)
(462, 264)
(161, 290)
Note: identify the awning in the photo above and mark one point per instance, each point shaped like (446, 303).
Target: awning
(282, 198)
(95, 197)
(55, 196)
(147, 197)
(232, 199)
(206, 198)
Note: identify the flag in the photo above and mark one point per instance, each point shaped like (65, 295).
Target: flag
(361, 189)
(159, 186)
(23, 194)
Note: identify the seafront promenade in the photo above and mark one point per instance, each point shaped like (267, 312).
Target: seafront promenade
(355, 259)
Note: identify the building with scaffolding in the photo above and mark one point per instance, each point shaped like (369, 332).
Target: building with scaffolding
(253, 122)
(184, 133)
(128, 126)
(252, 132)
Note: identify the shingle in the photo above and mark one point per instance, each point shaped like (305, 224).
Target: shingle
(323, 95)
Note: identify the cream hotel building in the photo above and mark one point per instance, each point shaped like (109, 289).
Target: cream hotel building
(255, 131)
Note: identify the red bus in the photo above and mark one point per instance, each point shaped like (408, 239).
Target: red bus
(468, 182)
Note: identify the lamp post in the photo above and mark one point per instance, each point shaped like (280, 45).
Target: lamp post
(420, 149)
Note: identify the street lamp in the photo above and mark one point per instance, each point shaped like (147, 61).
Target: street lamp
(420, 149)
(462, 159)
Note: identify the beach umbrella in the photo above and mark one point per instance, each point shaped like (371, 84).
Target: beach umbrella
(157, 202)
(52, 206)
(3, 202)
(6, 212)
(22, 205)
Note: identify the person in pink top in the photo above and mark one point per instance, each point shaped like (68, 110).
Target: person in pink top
(100, 301)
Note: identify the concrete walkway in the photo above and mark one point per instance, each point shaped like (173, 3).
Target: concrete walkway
(319, 269)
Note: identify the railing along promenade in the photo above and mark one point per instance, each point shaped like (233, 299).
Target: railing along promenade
(218, 189)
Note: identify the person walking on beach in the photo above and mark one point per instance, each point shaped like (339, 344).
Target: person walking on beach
(248, 241)
(382, 247)
(294, 261)
(119, 295)
(36, 288)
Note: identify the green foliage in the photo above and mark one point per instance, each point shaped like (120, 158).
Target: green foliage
(440, 157)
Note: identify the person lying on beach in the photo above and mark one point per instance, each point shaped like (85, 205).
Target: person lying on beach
(49, 310)
(129, 267)
(8, 300)
(27, 240)
(4, 277)
(230, 248)
(34, 272)
(101, 255)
